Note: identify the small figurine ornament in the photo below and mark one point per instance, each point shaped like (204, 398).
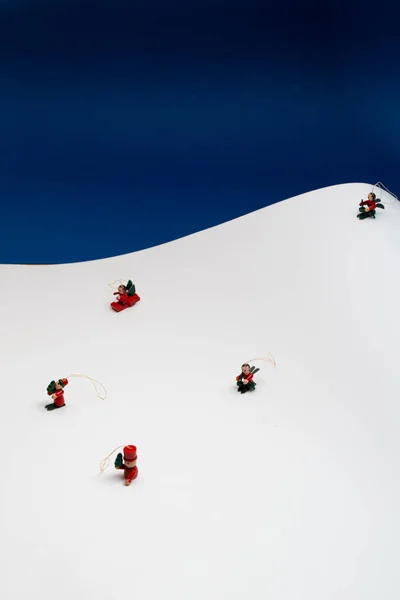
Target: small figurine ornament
(128, 464)
(126, 297)
(55, 389)
(367, 207)
(244, 381)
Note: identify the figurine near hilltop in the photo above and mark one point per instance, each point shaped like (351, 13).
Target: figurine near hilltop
(367, 207)
(126, 296)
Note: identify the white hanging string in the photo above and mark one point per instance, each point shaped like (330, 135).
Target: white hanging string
(113, 285)
(382, 188)
(106, 461)
(94, 381)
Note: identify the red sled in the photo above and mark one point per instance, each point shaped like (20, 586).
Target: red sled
(129, 301)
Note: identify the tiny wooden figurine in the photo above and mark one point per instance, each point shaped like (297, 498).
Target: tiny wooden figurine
(367, 207)
(127, 464)
(126, 297)
(244, 381)
(55, 389)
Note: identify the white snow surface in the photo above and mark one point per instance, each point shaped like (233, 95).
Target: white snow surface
(290, 492)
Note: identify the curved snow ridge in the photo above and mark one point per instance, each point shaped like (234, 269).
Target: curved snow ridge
(308, 201)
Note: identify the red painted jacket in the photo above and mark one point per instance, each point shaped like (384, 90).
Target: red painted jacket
(123, 298)
(370, 203)
(59, 394)
(242, 376)
(130, 473)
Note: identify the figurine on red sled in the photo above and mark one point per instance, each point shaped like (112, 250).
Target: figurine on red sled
(367, 207)
(244, 381)
(127, 464)
(55, 389)
(126, 297)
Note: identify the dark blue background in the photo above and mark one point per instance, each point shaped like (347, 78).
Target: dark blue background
(127, 124)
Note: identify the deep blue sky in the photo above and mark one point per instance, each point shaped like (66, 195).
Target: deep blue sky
(127, 124)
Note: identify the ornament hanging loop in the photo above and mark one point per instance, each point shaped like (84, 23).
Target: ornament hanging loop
(269, 359)
(105, 463)
(94, 382)
(382, 188)
(115, 284)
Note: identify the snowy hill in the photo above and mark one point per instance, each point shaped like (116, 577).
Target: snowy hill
(290, 492)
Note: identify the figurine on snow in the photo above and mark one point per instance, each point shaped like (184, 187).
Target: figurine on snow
(55, 389)
(127, 464)
(126, 297)
(244, 381)
(367, 207)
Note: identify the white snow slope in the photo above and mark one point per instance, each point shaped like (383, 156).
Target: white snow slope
(290, 492)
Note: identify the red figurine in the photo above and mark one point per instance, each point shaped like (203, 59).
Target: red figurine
(244, 381)
(128, 465)
(126, 297)
(367, 207)
(55, 389)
